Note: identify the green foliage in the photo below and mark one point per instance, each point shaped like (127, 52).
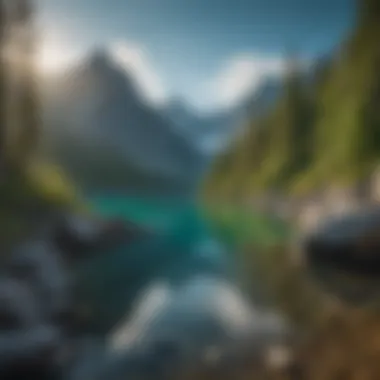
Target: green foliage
(347, 124)
(238, 227)
(28, 189)
(30, 194)
(318, 134)
(49, 183)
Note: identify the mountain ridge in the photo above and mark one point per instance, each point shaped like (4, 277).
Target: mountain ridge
(97, 106)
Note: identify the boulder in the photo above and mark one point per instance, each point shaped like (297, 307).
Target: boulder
(350, 243)
(85, 235)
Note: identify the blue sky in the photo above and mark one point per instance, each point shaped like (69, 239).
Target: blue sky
(210, 52)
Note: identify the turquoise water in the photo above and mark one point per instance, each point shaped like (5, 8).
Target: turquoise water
(184, 242)
(180, 220)
(161, 214)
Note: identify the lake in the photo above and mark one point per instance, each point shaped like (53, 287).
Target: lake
(185, 243)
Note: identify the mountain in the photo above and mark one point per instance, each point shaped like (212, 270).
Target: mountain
(323, 133)
(100, 129)
(212, 132)
(180, 113)
(262, 99)
(207, 132)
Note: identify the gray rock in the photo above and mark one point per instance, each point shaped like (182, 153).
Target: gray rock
(350, 243)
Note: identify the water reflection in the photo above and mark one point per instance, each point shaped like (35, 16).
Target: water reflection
(177, 288)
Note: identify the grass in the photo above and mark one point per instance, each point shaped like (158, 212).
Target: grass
(29, 194)
(239, 227)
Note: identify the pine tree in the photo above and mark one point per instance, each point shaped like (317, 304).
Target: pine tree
(3, 85)
(28, 104)
(369, 11)
(289, 130)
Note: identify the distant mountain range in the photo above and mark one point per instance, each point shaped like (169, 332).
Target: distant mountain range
(99, 128)
(213, 131)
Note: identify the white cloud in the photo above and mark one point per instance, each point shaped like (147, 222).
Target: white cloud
(135, 59)
(240, 76)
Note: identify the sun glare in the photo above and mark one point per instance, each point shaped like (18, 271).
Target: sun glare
(54, 55)
(51, 59)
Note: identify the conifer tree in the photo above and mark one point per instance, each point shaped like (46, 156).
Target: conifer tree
(28, 105)
(289, 130)
(3, 85)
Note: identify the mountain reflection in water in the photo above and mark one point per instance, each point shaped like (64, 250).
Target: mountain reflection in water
(177, 287)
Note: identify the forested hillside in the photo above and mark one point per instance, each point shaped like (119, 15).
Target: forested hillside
(318, 134)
